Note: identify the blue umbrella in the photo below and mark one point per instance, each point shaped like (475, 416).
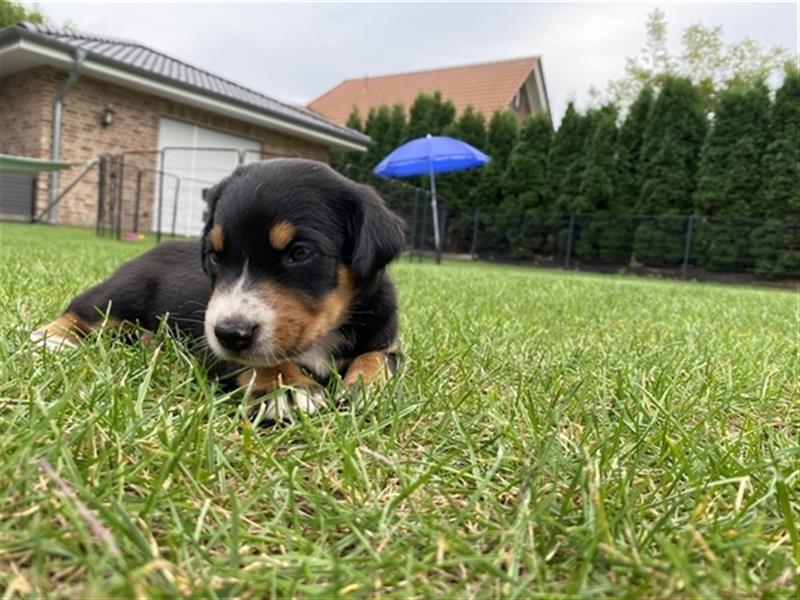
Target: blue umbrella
(431, 155)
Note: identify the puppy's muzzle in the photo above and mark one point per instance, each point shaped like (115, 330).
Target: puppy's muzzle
(235, 334)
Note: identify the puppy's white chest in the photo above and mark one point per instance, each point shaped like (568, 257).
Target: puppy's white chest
(319, 358)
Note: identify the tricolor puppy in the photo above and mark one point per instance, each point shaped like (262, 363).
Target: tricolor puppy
(288, 279)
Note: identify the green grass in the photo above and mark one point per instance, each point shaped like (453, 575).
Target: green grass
(550, 434)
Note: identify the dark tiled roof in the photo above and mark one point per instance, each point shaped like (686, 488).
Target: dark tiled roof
(131, 55)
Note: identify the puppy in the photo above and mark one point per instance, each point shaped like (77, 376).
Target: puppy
(287, 280)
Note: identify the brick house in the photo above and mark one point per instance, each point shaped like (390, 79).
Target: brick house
(124, 99)
(517, 85)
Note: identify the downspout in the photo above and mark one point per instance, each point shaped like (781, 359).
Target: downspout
(55, 148)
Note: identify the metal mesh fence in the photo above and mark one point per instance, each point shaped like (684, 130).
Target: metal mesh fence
(162, 191)
(672, 245)
(598, 240)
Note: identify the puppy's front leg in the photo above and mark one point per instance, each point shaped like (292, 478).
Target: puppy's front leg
(305, 395)
(372, 367)
(66, 331)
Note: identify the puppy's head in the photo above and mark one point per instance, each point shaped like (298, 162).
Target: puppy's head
(288, 244)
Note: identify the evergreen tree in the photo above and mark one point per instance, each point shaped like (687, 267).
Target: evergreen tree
(457, 187)
(567, 145)
(776, 250)
(524, 182)
(470, 127)
(500, 140)
(340, 159)
(727, 182)
(601, 236)
(524, 187)
(629, 147)
(781, 198)
(676, 128)
(569, 197)
(597, 179)
(728, 185)
(354, 120)
(396, 131)
(378, 125)
(429, 114)
(488, 194)
(776, 244)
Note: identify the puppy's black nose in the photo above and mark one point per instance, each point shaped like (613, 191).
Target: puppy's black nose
(235, 334)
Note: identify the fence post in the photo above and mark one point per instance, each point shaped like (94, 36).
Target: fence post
(160, 194)
(424, 231)
(569, 239)
(136, 203)
(687, 246)
(473, 246)
(175, 205)
(121, 196)
(444, 213)
(414, 228)
(101, 193)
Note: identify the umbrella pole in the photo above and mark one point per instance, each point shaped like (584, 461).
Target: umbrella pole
(435, 208)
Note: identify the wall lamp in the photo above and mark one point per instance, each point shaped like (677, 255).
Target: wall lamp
(108, 116)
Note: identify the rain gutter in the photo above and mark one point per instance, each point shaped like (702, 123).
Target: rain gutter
(55, 147)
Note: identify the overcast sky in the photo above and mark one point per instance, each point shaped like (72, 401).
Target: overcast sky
(295, 52)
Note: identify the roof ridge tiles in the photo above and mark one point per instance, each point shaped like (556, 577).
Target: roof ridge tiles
(73, 33)
(450, 68)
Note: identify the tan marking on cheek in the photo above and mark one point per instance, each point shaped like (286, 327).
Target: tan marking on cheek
(217, 238)
(333, 308)
(268, 379)
(292, 317)
(369, 367)
(299, 321)
(281, 234)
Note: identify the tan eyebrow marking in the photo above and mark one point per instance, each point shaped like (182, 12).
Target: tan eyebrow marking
(281, 234)
(216, 237)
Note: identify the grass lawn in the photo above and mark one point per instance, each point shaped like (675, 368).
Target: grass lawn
(550, 434)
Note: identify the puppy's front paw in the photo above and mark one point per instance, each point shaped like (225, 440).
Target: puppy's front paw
(52, 341)
(285, 404)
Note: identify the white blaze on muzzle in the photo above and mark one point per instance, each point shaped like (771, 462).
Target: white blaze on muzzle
(242, 301)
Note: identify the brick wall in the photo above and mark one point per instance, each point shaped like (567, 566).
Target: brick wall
(26, 114)
(25, 125)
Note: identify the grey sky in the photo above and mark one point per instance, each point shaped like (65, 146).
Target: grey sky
(295, 52)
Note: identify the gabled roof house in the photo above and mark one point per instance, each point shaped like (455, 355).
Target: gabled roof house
(517, 85)
(72, 96)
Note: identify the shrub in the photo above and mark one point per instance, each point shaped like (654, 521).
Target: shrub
(660, 241)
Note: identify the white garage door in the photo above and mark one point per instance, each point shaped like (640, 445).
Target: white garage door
(195, 158)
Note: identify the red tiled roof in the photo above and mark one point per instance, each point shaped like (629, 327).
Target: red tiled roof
(486, 87)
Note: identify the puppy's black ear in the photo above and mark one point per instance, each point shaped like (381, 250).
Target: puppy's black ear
(211, 196)
(378, 234)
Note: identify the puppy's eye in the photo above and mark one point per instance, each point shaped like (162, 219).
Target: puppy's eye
(213, 260)
(300, 253)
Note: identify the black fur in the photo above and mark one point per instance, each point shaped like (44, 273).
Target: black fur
(346, 223)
